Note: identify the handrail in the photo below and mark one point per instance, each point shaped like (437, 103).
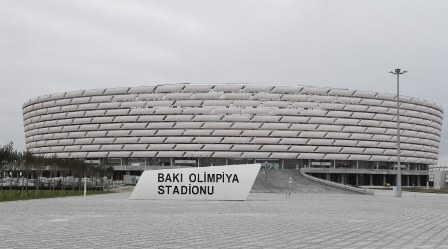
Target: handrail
(337, 185)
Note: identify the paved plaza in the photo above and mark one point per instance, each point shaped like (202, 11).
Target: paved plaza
(307, 220)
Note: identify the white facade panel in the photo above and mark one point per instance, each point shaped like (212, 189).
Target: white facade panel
(199, 132)
(321, 120)
(312, 134)
(97, 154)
(338, 135)
(85, 121)
(328, 149)
(207, 118)
(236, 96)
(142, 133)
(285, 122)
(237, 118)
(279, 104)
(217, 125)
(367, 144)
(176, 140)
(100, 99)
(143, 154)
(197, 88)
(217, 147)
(120, 153)
(152, 140)
(99, 140)
(267, 96)
(189, 103)
(291, 119)
(346, 121)
(109, 147)
(330, 127)
(303, 148)
(275, 126)
(379, 158)
(265, 140)
(90, 127)
(339, 114)
(169, 132)
(178, 96)
(236, 140)
(168, 110)
(345, 142)
(348, 100)
(292, 140)
(169, 88)
(109, 105)
(262, 110)
(276, 147)
(352, 150)
(76, 134)
(126, 140)
(91, 147)
(121, 133)
(118, 90)
(186, 147)
(359, 157)
(341, 92)
(208, 140)
(185, 118)
(287, 133)
(287, 89)
(207, 96)
(245, 147)
(228, 88)
(246, 125)
(320, 142)
(246, 103)
(361, 136)
(315, 90)
(374, 151)
(256, 133)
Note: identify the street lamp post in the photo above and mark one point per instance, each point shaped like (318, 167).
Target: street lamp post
(398, 191)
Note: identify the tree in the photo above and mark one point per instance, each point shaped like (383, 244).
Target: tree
(6, 159)
(28, 161)
(39, 167)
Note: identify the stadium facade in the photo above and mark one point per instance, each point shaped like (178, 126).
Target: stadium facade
(343, 135)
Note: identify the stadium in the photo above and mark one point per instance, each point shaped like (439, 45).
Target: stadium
(342, 135)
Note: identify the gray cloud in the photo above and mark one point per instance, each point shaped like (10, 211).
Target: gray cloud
(54, 46)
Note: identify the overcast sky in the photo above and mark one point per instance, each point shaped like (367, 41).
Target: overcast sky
(56, 46)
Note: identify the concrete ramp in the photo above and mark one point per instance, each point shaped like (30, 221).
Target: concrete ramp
(278, 181)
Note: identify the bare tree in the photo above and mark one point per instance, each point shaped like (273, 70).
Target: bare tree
(28, 162)
(39, 167)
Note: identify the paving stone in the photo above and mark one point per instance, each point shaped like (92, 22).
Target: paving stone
(307, 220)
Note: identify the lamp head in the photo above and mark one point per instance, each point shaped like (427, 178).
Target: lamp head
(398, 71)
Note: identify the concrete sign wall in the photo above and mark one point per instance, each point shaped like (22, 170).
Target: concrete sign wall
(232, 182)
(439, 179)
